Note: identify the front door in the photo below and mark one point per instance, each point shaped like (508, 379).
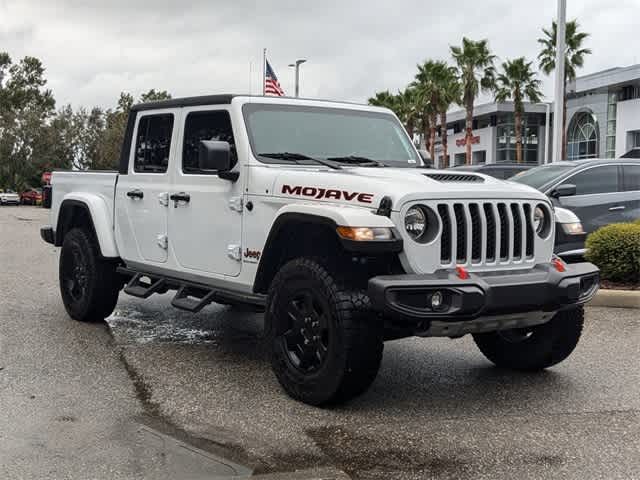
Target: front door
(598, 197)
(205, 214)
(142, 194)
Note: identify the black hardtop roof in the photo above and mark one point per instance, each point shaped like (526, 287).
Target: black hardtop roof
(220, 99)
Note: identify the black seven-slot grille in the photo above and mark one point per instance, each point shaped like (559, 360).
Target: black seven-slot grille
(481, 232)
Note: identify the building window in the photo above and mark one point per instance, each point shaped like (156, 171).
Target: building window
(479, 157)
(582, 138)
(506, 139)
(636, 139)
(459, 159)
(612, 111)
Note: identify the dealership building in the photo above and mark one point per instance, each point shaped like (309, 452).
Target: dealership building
(603, 121)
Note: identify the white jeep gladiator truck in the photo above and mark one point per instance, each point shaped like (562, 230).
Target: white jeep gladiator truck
(323, 215)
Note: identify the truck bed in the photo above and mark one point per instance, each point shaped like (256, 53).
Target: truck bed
(65, 184)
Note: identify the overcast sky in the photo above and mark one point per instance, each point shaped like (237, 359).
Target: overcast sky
(94, 49)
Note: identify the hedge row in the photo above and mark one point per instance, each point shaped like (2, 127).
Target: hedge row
(615, 249)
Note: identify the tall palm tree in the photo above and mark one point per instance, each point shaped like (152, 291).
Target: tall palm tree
(402, 104)
(476, 72)
(430, 86)
(574, 59)
(450, 94)
(518, 81)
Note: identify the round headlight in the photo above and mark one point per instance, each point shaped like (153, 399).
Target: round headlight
(540, 220)
(415, 222)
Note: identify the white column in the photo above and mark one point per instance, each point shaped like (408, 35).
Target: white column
(559, 84)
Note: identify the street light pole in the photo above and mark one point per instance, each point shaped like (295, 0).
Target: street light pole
(297, 67)
(559, 84)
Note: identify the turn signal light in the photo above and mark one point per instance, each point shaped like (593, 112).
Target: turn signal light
(365, 234)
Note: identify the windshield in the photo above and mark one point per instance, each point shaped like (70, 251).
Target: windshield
(340, 135)
(540, 176)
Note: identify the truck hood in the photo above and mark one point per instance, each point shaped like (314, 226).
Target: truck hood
(366, 186)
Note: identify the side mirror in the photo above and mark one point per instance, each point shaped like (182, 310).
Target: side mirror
(566, 190)
(215, 157)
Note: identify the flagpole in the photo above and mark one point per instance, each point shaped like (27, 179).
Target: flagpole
(264, 69)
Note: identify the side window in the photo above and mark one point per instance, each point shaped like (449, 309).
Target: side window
(205, 126)
(153, 144)
(595, 180)
(631, 178)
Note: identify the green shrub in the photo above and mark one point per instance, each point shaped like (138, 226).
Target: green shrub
(615, 249)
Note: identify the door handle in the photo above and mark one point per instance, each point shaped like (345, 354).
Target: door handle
(180, 197)
(135, 193)
(619, 207)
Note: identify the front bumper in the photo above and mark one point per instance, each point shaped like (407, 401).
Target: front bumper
(484, 301)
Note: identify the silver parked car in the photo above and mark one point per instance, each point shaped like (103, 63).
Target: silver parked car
(599, 192)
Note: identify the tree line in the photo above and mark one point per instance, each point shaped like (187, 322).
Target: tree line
(438, 84)
(35, 137)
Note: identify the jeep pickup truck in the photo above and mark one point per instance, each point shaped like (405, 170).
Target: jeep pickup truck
(322, 215)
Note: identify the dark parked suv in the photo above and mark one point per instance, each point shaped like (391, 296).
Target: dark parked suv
(502, 171)
(599, 192)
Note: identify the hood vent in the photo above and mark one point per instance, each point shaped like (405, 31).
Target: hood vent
(454, 177)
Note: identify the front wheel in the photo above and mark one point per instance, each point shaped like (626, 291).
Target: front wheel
(326, 343)
(534, 348)
(89, 284)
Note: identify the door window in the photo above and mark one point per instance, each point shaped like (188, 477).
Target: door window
(205, 126)
(153, 143)
(631, 178)
(595, 180)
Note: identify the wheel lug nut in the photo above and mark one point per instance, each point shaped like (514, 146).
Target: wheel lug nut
(306, 341)
(315, 324)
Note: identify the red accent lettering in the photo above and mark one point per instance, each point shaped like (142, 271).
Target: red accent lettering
(291, 190)
(349, 196)
(365, 197)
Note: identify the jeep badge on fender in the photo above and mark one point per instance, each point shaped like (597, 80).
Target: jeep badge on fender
(334, 229)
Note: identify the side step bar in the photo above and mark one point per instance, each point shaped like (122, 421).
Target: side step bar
(138, 287)
(190, 296)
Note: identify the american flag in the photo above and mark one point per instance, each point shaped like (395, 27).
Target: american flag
(271, 83)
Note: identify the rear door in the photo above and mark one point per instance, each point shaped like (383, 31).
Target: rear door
(599, 199)
(631, 187)
(142, 194)
(205, 229)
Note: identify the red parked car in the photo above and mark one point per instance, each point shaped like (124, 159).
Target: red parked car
(33, 196)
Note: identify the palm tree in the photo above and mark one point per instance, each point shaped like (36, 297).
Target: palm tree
(430, 86)
(476, 73)
(450, 94)
(402, 104)
(574, 59)
(518, 81)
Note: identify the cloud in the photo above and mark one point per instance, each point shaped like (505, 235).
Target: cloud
(94, 49)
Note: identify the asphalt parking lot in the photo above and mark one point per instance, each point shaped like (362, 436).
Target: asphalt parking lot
(76, 399)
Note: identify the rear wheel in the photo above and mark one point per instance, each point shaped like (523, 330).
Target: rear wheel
(534, 348)
(326, 343)
(89, 284)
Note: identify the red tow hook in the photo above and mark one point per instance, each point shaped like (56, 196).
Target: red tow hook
(558, 264)
(462, 273)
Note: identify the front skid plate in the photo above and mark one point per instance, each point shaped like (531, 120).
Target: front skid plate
(485, 324)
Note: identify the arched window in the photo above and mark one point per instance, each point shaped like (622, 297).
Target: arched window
(582, 136)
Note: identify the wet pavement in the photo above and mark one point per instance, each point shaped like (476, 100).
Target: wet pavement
(202, 382)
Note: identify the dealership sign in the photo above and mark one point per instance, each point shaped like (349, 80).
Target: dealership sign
(463, 141)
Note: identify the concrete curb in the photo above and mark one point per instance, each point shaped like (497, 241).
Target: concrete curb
(616, 298)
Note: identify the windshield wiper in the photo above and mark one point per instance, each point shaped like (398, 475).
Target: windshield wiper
(358, 160)
(296, 157)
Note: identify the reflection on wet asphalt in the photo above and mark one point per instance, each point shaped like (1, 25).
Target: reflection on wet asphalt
(157, 322)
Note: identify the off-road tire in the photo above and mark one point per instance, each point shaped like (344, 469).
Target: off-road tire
(547, 344)
(101, 284)
(354, 335)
